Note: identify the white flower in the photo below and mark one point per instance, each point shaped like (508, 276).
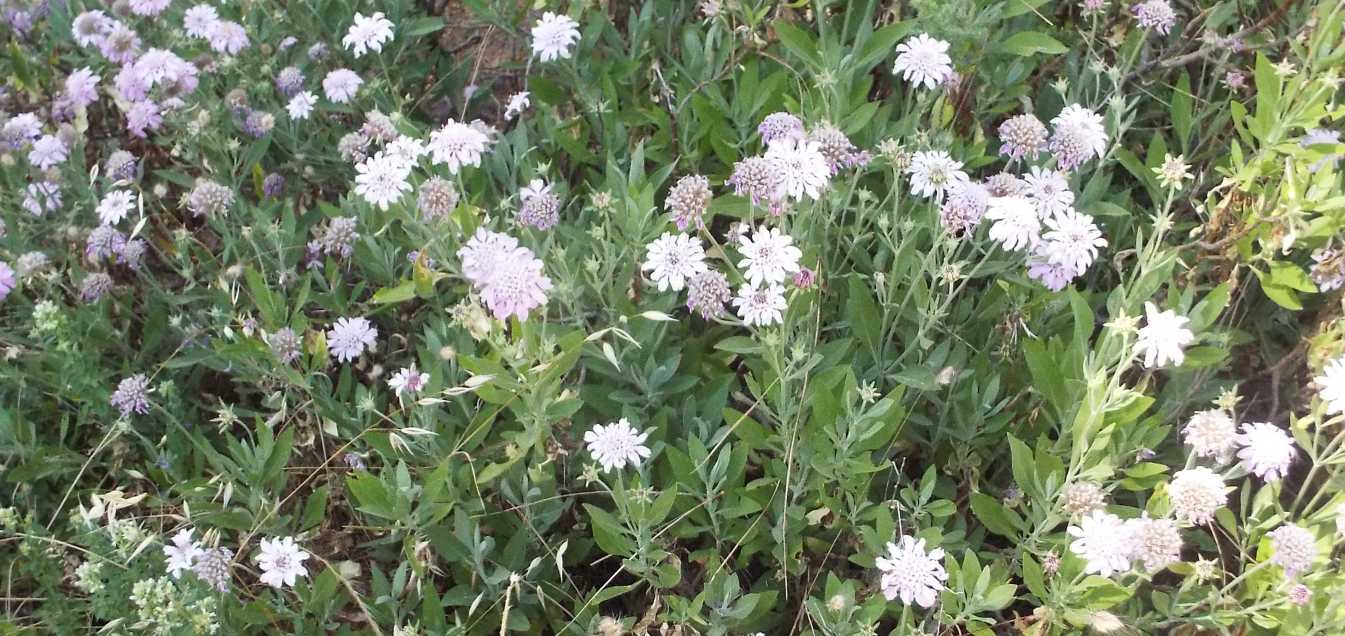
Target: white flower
(368, 33)
(301, 105)
(553, 36)
(1331, 385)
(1049, 189)
(349, 337)
(457, 144)
(48, 151)
(768, 256)
(673, 259)
(1104, 542)
(933, 171)
(1163, 337)
(199, 21)
(115, 206)
(1015, 224)
(803, 168)
(1156, 542)
(761, 306)
(1211, 433)
(1079, 136)
(1267, 451)
(1196, 494)
(616, 445)
(281, 562)
(1071, 240)
(1294, 548)
(382, 179)
(910, 573)
(408, 380)
(518, 102)
(923, 60)
(182, 553)
(341, 85)
(407, 149)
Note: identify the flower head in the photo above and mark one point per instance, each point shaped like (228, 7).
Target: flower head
(457, 144)
(1104, 542)
(1196, 494)
(115, 206)
(341, 85)
(760, 180)
(213, 567)
(540, 207)
(517, 287)
(1071, 240)
(182, 553)
(1049, 190)
(1293, 548)
(408, 380)
(281, 561)
(1266, 450)
(1157, 542)
(368, 34)
(1155, 14)
(1078, 136)
(1022, 137)
(932, 172)
(1211, 433)
(923, 61)
(199, 21)
(803, 169)
(437, 198)
(382, 179)
(966, 204)
(761, 305)
(301, 105)
(707, 292)
(779, 126)
(1163, 337)
(688, 200)
(518, 102)
(7, 279)
(554, 36)
(132, 395)
(48, 151)
(911, 573)
(1014, 222)
(1331, 385)
(768, 256)
(350, 337)
(673, 259)
(617, 444)
(1173, 172)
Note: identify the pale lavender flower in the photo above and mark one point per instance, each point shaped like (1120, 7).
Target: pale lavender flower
(209, 198)
(617, 445)
(838, 150)
(780, 126)
(1079, 135)
(517, 287)
(132, 253)
(273, 185)
(301, 105)
(923, 61)
(457, 145)
(966, 204)
(1050, 274)
(408, 380)
(199, 21)
(672, 259)
(761, 305)
(341, 85)
(143, 116)
(350, 337)
(121, 165)
(95, 286)
(688, 201)
(803, 168)
(382, 180)
(759, 179)
(90, 28)
(227, 37)
(81, 88)
(48, 151)
(132, 395)
(30, 263)
(115, 206)
(7, 280)
(1022, 136)
(148, 7)
(540, 207)
(42, 197)
(1049, 190)
(121, 45)
(707, 294)
(934, 172)
(281, 562)
(1196, 494)
(103, 242)
(212, 566)
(484, 254)
(1155, 14)
(289, 81)
(1294, 548)
(911, 573)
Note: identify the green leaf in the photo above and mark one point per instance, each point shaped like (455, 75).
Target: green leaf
(424, 26)
(996, 517)
(1025, 43)
(609, 533)
(798, 42)
(401, 292)
(862, 314)
(1182, 105)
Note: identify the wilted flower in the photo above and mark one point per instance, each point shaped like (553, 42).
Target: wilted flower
(1104, 542)
(273, 185)
(284, 344)
(1293, 548)
(1163, 337)
(910, 573)
(132, 395)
(673, 259)
(95, 286)
(554, 36)
(923, 61)
(339, 238)
(1196, 494)
(212, 567)
(616, 445)
(688, 200)
(350, 337)
(1267, 451)
(281, 562)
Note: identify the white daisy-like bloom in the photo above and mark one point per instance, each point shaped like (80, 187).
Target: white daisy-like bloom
(1211, 433)
(408, 380)
(803, 168)
(932, 172)
(617, 444)
(483, 253)
(182, 553)
(1104, 542)
(554, 36)
(1196, 494)
(1071, 240)
(1163, 337)
(281, 562)
(1293, 548)
(199, 21)
(759, 306)
(301, 105)
(911, 573)
(457, 144)
(368, 34)
(406, 149)
(382, 179)
(1014, 222)
(48, 151)
(1079, 135)
(769, 256)
(673, 259)
(1331, 385)
(1049, 189)
(350, 337)
(518, 102)
(1266, 450)
(115, 206)
(341, 85)
(923, 61)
